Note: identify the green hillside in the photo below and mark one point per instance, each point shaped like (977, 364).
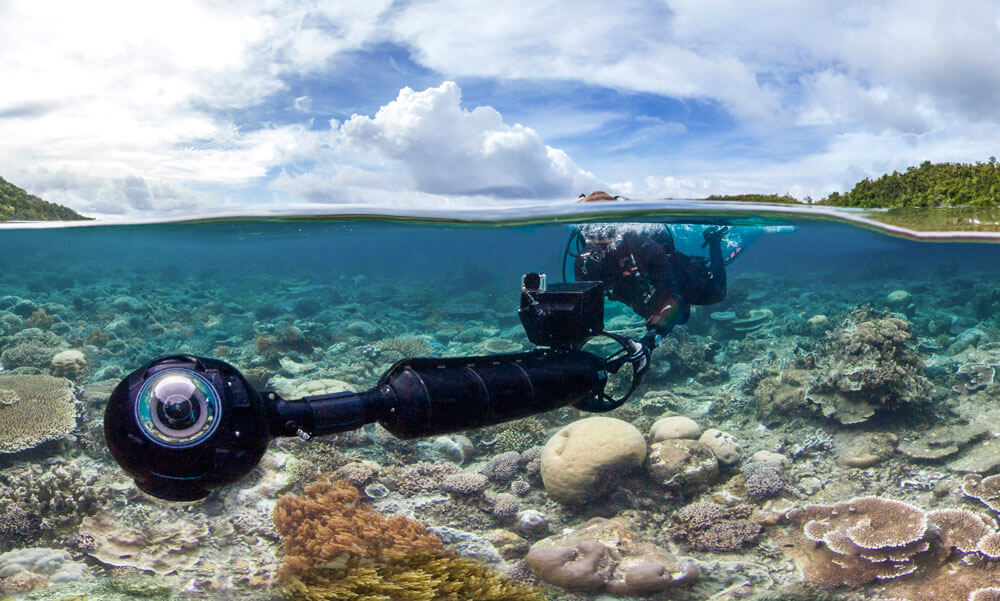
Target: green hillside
(778, 198)
(929, 185)
(18, 205)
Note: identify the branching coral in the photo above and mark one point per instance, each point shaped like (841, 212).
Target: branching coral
(418, 576)
(330, 520)
(393, 349)
(337, 547)
(711, 527)
(863, 367)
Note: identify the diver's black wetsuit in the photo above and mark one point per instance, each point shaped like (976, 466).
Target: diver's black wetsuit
(648, 274)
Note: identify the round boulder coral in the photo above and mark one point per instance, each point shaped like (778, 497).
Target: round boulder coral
(71, 364)
(682, 464)
(674, 426)
(578, 460)
(725, 446)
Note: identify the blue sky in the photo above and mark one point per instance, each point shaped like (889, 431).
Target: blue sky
(142, 110)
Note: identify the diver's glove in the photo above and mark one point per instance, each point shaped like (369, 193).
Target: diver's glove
(713, 235)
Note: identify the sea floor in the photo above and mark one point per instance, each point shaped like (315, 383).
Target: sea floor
(883, 388)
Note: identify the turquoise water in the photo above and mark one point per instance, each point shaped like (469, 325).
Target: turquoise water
(308, 306)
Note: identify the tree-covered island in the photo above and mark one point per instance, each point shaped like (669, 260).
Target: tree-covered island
(18, 205)
(952, 185)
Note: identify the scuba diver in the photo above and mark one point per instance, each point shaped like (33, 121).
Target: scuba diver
(642, 268)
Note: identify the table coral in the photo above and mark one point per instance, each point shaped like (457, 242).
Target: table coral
(894, 549)
(36, 409)
(985, 490)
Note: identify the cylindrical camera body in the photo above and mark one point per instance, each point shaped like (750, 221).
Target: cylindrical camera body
(182, 426)
(462, 393)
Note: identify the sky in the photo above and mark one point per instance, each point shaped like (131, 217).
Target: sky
(152, 109)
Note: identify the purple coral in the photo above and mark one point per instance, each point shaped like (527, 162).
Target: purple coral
(763, 480)
(464, 483)
(505, 505)
(711, 527)
(503, 467)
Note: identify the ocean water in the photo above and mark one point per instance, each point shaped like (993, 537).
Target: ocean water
(862, 364)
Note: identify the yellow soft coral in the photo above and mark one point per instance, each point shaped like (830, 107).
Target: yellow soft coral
(330, 520)
(417, 576)
(338, 548)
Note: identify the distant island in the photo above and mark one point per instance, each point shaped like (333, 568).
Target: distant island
(950, 185)
(18, 205)
(782, 198)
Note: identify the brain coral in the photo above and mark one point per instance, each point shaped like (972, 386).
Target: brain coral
(35, 409)
(578, 460)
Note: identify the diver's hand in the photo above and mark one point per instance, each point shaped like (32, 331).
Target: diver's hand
(713, 235)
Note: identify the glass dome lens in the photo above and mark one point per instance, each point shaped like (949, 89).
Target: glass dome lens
(178, 408)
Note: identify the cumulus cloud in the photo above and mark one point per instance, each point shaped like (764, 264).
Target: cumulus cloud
(125, 108)
(447, 149)
(117, 92)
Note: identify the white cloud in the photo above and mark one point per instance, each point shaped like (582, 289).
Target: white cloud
(630, 45)
(102, 95)
(112, 91)
(449, 150)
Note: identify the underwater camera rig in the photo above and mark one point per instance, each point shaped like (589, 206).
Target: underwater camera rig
(182, 426)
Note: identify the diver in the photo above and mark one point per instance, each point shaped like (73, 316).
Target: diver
(642, 268)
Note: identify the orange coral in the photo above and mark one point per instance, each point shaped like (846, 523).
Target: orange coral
(330, 520)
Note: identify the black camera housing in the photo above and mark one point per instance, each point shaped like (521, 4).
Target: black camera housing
(188, 473)
(564, 315)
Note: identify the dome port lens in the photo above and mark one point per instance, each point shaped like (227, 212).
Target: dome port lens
(178, 408)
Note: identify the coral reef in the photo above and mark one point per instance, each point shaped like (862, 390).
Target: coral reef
(70, 364)
(707, 526)
(985, 490)
(604, 554)
(54, 496)
(35, 409)
(161, 548)
(30, 347)
(682, 465)
(381, 557)
(412, 576)
(864, 366)
(896, 549)
(330, 520)
(763, 480)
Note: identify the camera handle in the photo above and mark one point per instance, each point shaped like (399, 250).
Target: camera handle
(427, 396)
(634, 352)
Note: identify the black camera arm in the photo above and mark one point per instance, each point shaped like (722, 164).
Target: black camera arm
(423, 397)
(183, 425)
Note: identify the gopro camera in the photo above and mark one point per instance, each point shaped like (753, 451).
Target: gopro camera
(562, 315)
